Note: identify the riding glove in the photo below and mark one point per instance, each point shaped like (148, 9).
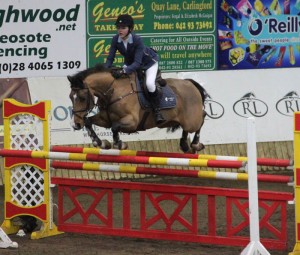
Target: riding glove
(117, 73)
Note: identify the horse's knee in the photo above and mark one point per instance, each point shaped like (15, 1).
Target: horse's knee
(115, 127)
(88, 122)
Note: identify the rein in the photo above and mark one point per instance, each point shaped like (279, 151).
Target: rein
(111, 91)
(87, 109)
(104, 99)
(108, 94)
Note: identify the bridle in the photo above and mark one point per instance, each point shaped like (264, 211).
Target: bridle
(89, 107)
(104, 98)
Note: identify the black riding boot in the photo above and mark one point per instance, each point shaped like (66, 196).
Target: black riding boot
(154, 100)
(162, 82)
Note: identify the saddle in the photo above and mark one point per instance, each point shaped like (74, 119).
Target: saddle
(167, 98)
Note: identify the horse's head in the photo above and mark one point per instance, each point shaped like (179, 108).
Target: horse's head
(82, 101)
(93, 82)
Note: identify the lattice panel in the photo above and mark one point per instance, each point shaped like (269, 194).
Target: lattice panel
(168, 216)
(26, 132)
(27, 186)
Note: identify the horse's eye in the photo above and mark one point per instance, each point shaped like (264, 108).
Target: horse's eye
(79, 96)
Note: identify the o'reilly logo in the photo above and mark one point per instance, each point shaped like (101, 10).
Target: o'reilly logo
(32, 15)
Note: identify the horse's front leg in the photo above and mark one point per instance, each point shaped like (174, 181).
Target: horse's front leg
(117, 142)
(127, 124)
(96, 141)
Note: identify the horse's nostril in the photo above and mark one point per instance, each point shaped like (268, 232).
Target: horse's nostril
(77, 126)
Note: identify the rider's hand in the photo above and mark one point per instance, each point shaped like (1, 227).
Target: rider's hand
(117, 73)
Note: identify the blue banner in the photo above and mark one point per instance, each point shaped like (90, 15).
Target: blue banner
(258, 34)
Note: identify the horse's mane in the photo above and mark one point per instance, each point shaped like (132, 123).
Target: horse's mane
(77, 79)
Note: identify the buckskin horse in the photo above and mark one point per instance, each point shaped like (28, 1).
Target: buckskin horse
(121, 109)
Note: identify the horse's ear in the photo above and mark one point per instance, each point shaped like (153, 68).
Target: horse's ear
(69, 78)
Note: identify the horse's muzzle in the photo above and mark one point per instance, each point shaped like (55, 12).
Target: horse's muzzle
(76, 126)
(76, 123)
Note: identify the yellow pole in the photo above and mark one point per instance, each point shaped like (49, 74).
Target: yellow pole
(296, 250)
(18, 133)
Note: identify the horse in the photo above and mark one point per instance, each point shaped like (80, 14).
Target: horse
(119, 107)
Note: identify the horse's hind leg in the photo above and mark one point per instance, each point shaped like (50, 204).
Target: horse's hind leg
(184, 145)
(196, 145)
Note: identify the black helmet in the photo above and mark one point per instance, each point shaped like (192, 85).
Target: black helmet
(125, 20)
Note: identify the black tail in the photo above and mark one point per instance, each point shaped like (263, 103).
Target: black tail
(202, 90)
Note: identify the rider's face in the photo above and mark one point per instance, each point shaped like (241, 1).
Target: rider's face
(123, 31)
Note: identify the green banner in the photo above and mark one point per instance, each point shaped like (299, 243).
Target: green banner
(177, 53)
(182, 32)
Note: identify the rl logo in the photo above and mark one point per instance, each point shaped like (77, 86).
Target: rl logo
(289, 104)
(214, 110)
(249, 106)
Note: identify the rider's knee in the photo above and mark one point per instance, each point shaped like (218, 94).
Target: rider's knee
(151, 86)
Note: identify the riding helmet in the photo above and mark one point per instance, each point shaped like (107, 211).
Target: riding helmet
(125, 20)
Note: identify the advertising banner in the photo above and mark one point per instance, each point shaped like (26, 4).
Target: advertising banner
(182, 32)
(43, 38)
(41, 42)
(258, 34)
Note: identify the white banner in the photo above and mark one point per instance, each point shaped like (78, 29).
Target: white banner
(271, 96)
(45, 38)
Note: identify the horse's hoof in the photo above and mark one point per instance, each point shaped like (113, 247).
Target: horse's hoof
(120, 145)
(105, 145)
(96, 142)
(184, 146)
(124, 146)
(197, 147)
(184, 150)
(191, 151)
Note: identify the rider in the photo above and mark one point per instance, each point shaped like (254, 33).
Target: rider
(136, 56)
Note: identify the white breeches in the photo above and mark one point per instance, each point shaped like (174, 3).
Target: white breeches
(150, 77)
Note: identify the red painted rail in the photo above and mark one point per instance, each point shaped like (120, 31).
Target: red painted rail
(169, 172)
(260, 161)
(123, 159)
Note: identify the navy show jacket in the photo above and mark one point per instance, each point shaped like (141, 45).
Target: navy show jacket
(136, 56)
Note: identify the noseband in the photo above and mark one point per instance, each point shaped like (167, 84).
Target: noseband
(87, 109)
(106, 96)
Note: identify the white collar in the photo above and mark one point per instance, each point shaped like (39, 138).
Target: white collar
(129, 39)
